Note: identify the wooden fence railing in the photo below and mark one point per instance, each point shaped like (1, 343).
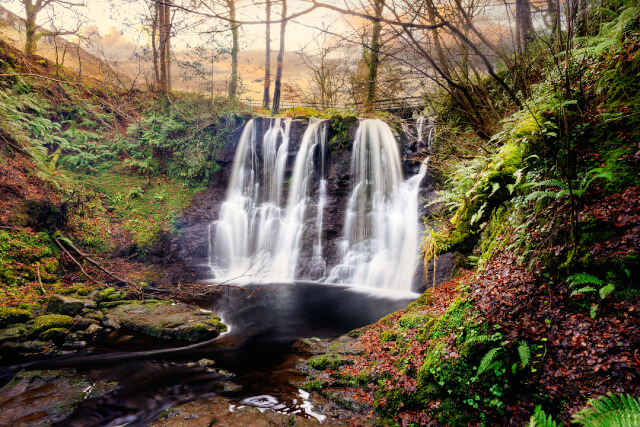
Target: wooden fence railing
(395, 104)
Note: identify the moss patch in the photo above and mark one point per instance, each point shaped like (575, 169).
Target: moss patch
(9, 316)
(49, 321)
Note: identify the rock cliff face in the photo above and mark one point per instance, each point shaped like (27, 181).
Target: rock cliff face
(184, 254)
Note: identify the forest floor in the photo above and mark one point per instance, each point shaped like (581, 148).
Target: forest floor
(574, 357)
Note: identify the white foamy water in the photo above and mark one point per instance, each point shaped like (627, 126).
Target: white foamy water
(380, 242)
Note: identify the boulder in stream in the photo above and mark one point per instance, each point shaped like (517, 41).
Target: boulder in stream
(168, 321)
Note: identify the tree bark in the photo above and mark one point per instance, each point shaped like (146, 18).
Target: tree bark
(154, 44)
(524, 24)
(161, 47)
(373, 59)
(280, 61)
(31, 13)
(168, 22)
(233, 83)
(267, 59)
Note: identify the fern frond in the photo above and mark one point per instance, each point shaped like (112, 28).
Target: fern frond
(494, 187)
(525, 353)
(477, 339)
(584, 290)
(552, 183)
(540, 419)
(540, 195)
(583, 279)
(605, 291)
(610, 410)
(487, 360)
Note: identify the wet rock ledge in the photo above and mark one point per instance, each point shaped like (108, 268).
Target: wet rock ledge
(72, 322)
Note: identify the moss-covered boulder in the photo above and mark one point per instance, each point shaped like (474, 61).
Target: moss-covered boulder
(10, 316)
(49, 321)
(60, 304)
(168, 321)
(111, 294)
(14, 333)
(54, 334)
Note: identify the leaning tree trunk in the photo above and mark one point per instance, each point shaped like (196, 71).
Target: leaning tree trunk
(280, 61)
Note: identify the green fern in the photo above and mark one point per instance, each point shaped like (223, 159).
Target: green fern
(605, 291)
(487, 360)
(587, 279)
(584, 290)
(610, 410)
(536, 195)
(541, 419)
(482, 338)
(583, 279)
(552, 183)
(525, 353)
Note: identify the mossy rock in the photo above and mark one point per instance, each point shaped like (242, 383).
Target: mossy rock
(10, 316)
(168, 321)
(14, 333)
(53, 334)
(328, 361)
(61, 304)
(49, 321)
(490, 191)
(111, 294)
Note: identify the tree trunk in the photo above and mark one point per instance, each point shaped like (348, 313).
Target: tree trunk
(524, 24)
(30, 25)
(154, 45)
(267, 59)
(373, 60)
(167, 11)
(162, 49)
(233, 83)
(280, 61)
(164, 44)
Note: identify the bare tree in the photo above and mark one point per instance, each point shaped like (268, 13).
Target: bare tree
(32, 31)
(327, 73)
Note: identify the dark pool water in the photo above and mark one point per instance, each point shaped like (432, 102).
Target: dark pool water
(267, 323)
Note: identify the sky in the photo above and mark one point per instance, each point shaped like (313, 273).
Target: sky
(121, 34)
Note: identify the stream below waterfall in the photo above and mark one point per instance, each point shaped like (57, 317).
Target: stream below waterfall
(315, 248)
(268, 328)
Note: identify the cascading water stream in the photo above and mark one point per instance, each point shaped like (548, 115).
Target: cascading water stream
(423, 123)
(261, 231)
(288, 249)
(257, 236)
(380, 243)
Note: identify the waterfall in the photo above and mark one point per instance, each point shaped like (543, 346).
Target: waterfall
(285, 261)
(258, 234)
(422, 123)
(380, 242)
(270, 225)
